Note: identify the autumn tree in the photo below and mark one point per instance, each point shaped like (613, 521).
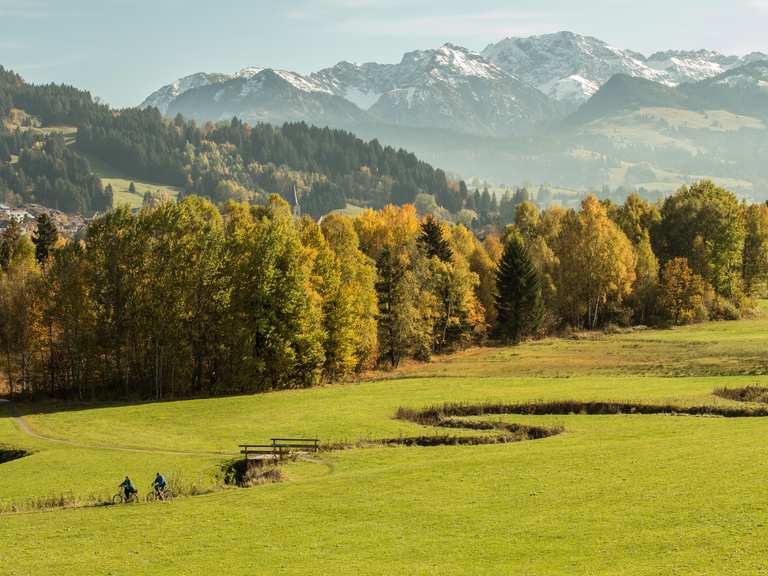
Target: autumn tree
(275, 332)
(755, 259)
(112, 245)
(483, 262)
(21, 332)
(406, 313)
(704, 224)
(637, 217)
(596, 265)
(357, 287)
(9, 240)
(527, 219)
(646, 279)
(335, 300)
(71, 311)
(681, 293)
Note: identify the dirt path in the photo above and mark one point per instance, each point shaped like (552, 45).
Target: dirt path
(26, 429)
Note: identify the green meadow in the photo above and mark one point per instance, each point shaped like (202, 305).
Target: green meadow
(612, 494)
(121, 184)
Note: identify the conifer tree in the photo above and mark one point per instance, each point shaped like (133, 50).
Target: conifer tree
(433, 241)
(45, 238)
(398, 312)
(518, 293)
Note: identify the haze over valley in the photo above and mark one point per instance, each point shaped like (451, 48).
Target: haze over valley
(561, 109)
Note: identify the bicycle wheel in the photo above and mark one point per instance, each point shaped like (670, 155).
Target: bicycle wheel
(150, 497)
(117, 499)
(168, 495)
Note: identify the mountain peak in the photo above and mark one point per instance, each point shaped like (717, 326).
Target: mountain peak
(570, 67)
(249, 72)
(162, 97)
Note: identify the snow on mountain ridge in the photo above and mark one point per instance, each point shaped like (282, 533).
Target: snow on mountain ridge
(566, 66)
(512, 84)
(449, 86)
(162, 97)
(552, 61)
(249, 72)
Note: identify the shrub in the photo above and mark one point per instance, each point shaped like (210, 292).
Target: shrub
(723, 309)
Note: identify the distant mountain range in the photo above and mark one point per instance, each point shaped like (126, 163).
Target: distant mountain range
(558, 107)
(513, 85)
(450, 87)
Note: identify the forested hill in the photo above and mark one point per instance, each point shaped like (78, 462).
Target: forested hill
(325, 169)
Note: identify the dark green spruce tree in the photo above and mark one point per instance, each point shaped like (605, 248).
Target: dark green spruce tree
(398, 315)
(518, 293)
(433, 241)
(45, 238)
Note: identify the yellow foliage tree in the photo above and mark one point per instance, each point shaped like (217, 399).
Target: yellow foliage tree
(681, 293)
(596, 267)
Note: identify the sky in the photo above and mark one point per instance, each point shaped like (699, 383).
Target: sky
(122, 50)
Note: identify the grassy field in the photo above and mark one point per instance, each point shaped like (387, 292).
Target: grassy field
(121, 184)
(622, 494)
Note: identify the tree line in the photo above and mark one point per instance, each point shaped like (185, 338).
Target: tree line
(192, 299)
(700, 254)
(187, 298)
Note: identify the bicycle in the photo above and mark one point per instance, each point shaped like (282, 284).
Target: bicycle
(120, 498)
(164, 495)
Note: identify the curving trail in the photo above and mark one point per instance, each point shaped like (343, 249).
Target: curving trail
(24, 427)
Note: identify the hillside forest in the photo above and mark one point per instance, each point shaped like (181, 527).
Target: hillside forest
(320, 168)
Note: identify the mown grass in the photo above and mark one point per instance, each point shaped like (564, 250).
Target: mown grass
(121, 183)
(613, 494)
(54, 471)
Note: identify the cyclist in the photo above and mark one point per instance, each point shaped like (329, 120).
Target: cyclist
(128, 488)
(159, 484)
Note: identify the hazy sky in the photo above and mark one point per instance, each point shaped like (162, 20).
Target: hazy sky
(122, 50)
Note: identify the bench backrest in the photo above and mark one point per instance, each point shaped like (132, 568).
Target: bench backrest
(280, 445)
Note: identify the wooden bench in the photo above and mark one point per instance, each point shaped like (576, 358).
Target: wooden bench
(279, 449)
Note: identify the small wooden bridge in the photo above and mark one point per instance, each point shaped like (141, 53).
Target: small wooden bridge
(279, 449)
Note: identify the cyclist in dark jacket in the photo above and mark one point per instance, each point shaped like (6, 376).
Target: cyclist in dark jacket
(159, 484)
(128, 488)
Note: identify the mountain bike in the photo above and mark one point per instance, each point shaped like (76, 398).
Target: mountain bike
(120, 498)
(165, 495)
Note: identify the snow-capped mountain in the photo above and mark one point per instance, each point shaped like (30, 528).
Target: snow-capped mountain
(163, 97)
(361, 84)
(265, 95)
(751, 76)
(567, 66)
(742, 90)
(450, 87)
(511, 86)
(571, 68)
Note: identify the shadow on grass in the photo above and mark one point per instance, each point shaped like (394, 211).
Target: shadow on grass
(8, 454)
